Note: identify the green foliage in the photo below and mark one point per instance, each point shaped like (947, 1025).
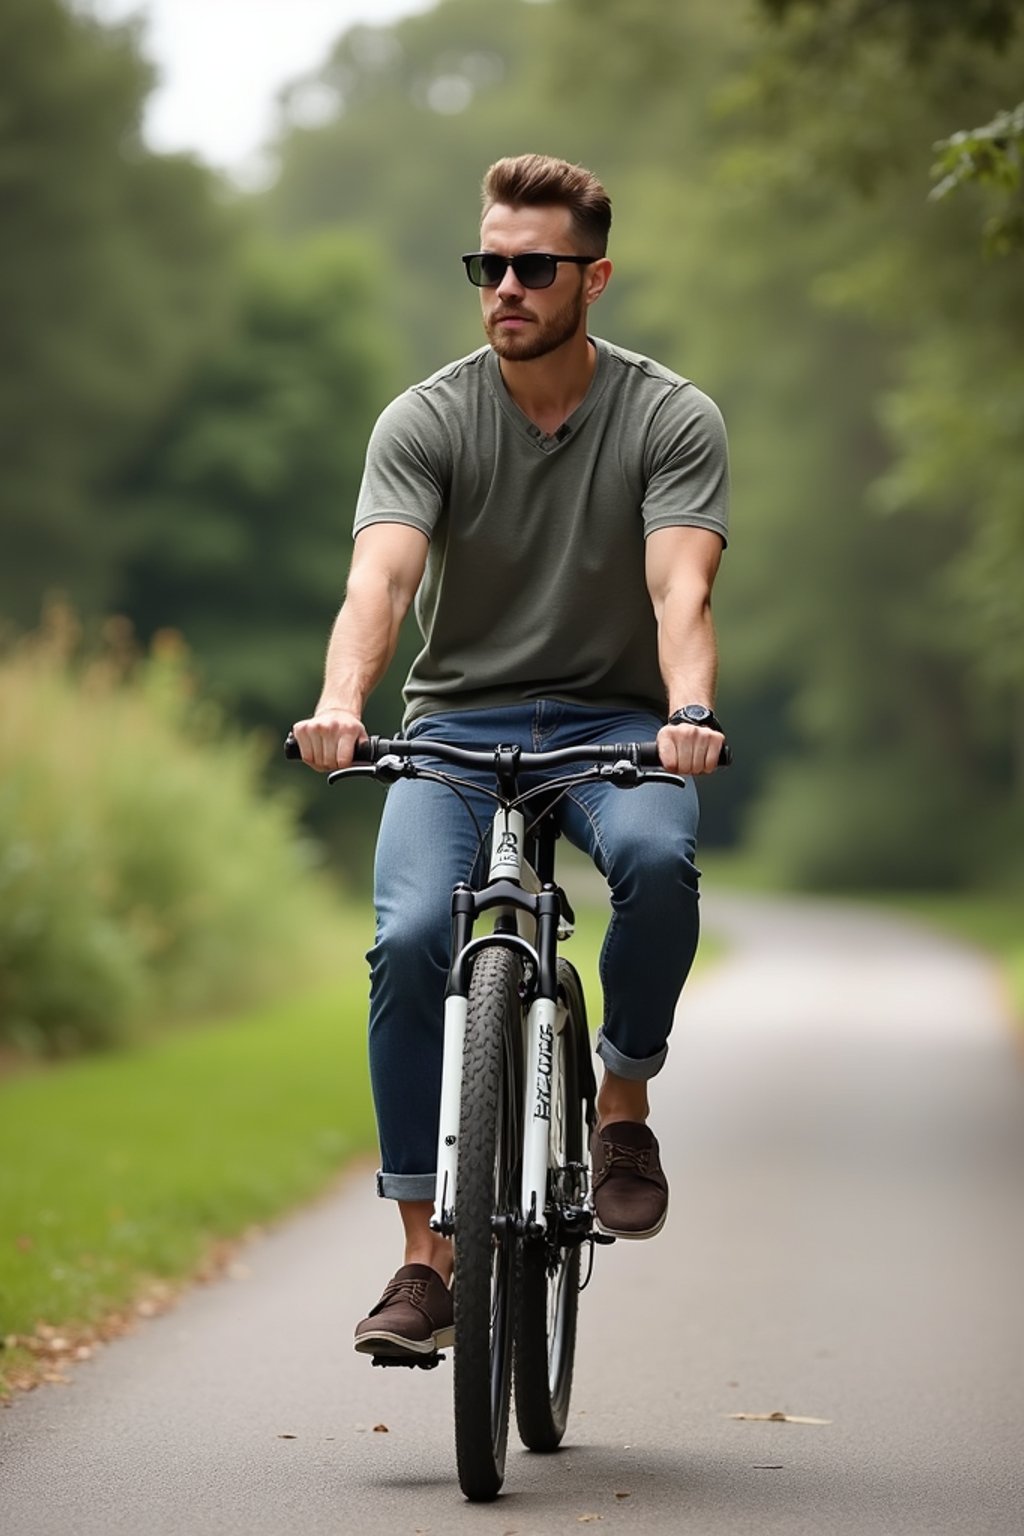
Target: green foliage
(917, 25)
(862, 824)
(990, 155)
(234, 515)
(143, 874)
(113, 270)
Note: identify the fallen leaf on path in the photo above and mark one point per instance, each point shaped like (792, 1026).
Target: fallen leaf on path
(381, 1429)
(779, 1418)
(287, 1437)
(767, 1466)
(623, 1495)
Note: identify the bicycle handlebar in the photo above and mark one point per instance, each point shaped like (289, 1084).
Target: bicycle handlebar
(643, 753)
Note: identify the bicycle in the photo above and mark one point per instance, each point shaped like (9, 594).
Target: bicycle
(518, 1100)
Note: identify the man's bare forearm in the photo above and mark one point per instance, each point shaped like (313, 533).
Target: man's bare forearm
(362, 643)
(387, 565)
(681, 567)
(688, 654)
(687, 649)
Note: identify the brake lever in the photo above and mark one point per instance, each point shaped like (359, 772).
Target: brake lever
(357, 771)
(627, 775)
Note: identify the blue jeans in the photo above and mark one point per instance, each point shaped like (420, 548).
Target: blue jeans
(642, 841)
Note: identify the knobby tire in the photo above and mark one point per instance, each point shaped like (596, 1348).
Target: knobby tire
(549, 1273)
(487, 1186)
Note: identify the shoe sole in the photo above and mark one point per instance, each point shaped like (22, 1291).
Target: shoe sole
(631, 1236)
(394, 1346)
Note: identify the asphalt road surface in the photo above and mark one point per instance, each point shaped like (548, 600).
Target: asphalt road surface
(842, 1120)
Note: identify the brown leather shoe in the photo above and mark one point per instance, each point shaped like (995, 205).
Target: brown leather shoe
(630, 1190)
(415, 1316)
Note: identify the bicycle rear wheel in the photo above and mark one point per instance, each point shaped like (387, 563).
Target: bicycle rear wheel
(486, 1201)
(549, 1269)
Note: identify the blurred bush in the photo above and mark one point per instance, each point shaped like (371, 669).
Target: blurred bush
(858, 825)
(145, 874)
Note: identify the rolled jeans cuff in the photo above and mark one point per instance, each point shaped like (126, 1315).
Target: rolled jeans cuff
(406, 1186)
(634, 1069)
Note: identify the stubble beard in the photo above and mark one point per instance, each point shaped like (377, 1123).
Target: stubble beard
(539, 337)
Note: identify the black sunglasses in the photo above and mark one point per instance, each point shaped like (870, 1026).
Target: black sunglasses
(533, 269)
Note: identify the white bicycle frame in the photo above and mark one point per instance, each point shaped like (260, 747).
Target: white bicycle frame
(542, 1055)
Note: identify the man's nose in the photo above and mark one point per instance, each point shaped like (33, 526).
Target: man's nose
(510, 287)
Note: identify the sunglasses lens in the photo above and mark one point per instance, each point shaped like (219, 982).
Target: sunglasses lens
(486, 271)
(535, 270)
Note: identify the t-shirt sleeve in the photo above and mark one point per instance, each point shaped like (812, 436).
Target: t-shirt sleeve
(687, 465)
(407, 471)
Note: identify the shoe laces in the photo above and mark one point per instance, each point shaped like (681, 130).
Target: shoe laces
(407, 1289)
(633, 1159)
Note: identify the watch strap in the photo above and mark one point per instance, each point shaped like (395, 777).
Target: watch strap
(710, 722)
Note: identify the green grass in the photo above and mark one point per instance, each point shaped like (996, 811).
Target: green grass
(121, 1169)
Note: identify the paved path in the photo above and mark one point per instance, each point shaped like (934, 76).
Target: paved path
(843, 1121)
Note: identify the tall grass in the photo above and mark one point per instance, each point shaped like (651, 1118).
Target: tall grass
(145, 874)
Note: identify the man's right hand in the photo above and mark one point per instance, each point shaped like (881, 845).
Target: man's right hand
(328, 740)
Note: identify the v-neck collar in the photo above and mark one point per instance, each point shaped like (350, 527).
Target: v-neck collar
(541, 440)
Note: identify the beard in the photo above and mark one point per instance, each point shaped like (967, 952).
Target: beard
(541, 336)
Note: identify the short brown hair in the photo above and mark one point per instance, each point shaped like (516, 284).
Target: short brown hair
(532, 181)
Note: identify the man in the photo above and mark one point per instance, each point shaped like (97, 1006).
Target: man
(557, 508)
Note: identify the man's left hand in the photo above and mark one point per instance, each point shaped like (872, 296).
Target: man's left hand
(689, 749)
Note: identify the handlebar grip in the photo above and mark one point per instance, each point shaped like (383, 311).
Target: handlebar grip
(647, 755)
(365, 752)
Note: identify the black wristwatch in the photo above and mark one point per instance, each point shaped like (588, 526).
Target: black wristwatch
(696, 714)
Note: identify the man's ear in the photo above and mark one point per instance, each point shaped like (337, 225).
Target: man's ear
(598, 275)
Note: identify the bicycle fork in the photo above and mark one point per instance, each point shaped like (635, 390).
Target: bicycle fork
(506, 891)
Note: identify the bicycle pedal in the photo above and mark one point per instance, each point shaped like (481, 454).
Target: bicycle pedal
(413, 1363)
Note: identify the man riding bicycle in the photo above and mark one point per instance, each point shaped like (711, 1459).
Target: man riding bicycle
(557, 507)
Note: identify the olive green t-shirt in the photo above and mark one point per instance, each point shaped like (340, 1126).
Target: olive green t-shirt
(534, 583)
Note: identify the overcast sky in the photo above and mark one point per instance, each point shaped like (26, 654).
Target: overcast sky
(221, 63)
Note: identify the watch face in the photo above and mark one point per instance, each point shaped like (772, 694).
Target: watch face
(696, 713)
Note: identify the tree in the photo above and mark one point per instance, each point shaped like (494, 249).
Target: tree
(834, 35)
(235, 513)
(113, 268)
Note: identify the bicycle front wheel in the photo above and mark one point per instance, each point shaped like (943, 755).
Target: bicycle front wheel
(549, 1267)
(486, 1201)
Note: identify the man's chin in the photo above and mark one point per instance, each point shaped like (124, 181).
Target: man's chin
(525, 348)
(514, 347)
